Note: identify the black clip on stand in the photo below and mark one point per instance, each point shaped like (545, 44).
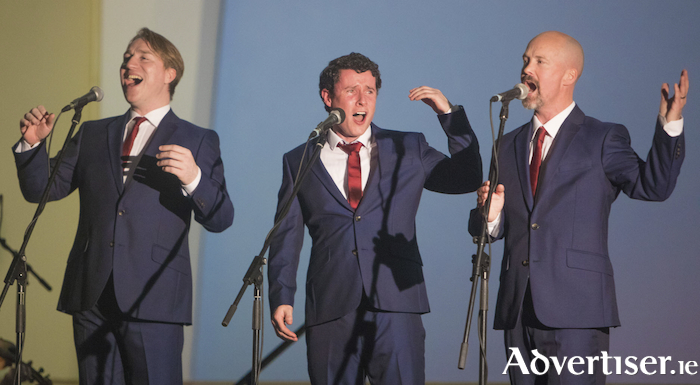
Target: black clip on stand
(30, 270)
(254, 275)
(482, 265)
(18, 268)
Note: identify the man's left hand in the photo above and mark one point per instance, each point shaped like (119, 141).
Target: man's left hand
(672, 108)
(432, 97)
(178, 161)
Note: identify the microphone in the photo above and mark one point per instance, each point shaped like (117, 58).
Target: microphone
(336, 116)
(519, 91)
(95, 95)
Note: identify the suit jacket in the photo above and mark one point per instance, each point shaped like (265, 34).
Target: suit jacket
(374, 248)
(136, 231)
(558, 240)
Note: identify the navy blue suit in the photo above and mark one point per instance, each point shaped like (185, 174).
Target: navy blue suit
(135, 232)
(557, 241)
(369, 255)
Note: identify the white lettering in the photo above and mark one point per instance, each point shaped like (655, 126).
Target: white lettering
(533, 363)
(648, 360)
(559, 367)
(662, 361)
(691, 364)
(605, 357)
(630, 363)
(515, 352)
(591, 369)
(575, 360)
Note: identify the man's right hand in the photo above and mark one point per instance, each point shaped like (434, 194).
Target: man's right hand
(36, 125)
(497, 199)
(280, 319)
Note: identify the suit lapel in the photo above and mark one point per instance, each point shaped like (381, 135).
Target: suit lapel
(522, 159)
(382, 152)
(161, 135)
(324, 177)
(115, 133)
(560, 146)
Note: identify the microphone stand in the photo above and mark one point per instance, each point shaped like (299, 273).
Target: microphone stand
(18, 268)
(482, 264)
(254, 275)
(245, 380)
(30, 270)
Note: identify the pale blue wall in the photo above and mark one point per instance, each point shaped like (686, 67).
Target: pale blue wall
(266, 103)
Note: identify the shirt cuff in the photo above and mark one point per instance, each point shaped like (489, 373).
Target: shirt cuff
(188, 189)
(452, 109)
(23, 146)
(494, 226)
(673, 128)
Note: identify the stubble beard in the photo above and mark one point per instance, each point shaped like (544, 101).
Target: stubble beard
(534, 103)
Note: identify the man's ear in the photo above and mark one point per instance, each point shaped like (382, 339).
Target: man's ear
(570, 77)
(170, 74)
(326, 96)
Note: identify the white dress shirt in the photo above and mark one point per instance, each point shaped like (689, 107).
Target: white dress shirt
(335, 160)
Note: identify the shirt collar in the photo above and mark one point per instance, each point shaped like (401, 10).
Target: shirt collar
(365, 138)
(555, 123)
(154, 117)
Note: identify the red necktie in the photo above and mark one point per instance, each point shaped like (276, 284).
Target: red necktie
(536, 159)
(354, 172)
(129, 142)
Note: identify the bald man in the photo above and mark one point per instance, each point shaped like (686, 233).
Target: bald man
(561, 173)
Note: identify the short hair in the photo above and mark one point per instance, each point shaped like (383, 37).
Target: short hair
(166, 51)
(354, 61)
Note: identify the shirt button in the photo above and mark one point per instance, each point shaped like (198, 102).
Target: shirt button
(535, 226)
(354, 252)
(526, 262)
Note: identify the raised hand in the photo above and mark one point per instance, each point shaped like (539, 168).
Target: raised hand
(36, 125)
(432, 97)
(672, 107)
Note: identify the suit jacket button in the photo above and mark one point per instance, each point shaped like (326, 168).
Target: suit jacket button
(354, 252)
(357, 218)
(535, 226)
(111, 244)
(526, 262)
(121, 212)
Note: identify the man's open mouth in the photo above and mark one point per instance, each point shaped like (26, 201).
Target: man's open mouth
(359, 116)
(133, 80)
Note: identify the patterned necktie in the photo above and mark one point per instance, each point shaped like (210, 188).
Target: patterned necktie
(536, 158)
(129, 142)
(354, 172)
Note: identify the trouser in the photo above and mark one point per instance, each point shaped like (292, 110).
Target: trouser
(116, 349)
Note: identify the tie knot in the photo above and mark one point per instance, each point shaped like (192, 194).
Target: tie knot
(541, 133)
(139, 120)
(350, 148)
